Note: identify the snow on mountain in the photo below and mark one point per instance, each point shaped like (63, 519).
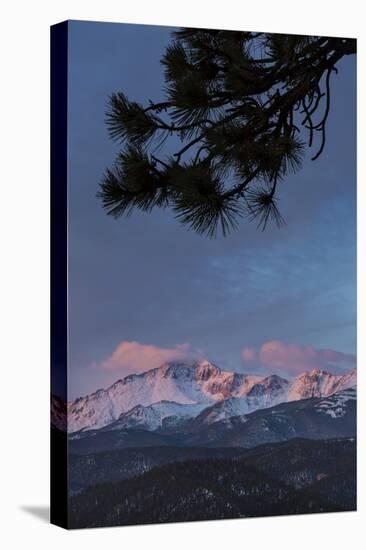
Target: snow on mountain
(184, 383)
(266, 393)
(336, 405)
(273, 390)
(169, 394)
(316, 383)
(58, 413)
(164, 414)
(348, 380)
(314, 418)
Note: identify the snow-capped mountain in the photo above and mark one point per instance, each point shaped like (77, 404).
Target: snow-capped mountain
(266, 393)
(336, 405)
(314, 418)
(319, 383)
(166, 415)
(169, 395)
(348, 380)
(183, 383)
(161, 415)
(315, 383)
(58, 413)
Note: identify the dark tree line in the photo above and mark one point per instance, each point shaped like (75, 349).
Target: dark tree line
(220, 488)
(242, 104)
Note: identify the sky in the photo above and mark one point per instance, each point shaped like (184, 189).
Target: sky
(144, 290)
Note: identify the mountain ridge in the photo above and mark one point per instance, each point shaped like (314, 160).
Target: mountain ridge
(313, 418)
(192, 387)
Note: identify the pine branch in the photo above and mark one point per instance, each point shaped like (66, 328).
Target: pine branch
(233, 99)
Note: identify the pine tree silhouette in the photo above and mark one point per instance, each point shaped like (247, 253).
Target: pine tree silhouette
(242, 104)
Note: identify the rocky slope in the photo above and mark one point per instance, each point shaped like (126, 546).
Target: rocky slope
(168, 395)
(315, 418)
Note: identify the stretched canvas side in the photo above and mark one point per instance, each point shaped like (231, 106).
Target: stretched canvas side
(59, 331)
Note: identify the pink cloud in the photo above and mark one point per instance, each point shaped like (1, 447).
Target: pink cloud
(294, 359)
(135, 357)
(249, 355)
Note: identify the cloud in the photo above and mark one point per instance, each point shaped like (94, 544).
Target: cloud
(294, 359)
(249, 355)
(135, 357)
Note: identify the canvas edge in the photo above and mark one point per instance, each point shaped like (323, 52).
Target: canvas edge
(59, 324)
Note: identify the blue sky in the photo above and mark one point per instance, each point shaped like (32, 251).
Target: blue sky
(147, 281)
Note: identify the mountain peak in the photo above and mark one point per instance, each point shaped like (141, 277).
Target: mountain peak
(314, 383)
(177, 387)
(172, 366)
(318, 372)
(205, 370)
